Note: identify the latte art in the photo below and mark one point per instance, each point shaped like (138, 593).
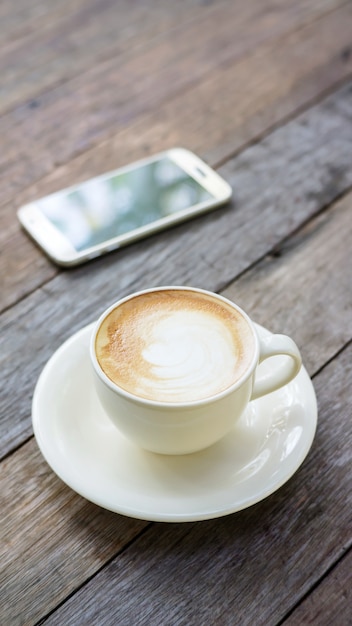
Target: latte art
(186, 353)
(174, 346)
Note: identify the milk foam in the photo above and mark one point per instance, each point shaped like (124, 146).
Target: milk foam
(174, 346)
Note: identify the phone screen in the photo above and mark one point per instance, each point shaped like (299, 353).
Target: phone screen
(106, 207)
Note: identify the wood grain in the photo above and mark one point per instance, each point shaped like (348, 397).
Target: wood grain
(75, 117)
(77, 35)
(256, 93)
(330, 601)
(279, 184)
(23, 504)
(32, 64)
(87, 86)
(251, 567)
(287, 289)
(52, 539)
(28, 17)
(55, 509)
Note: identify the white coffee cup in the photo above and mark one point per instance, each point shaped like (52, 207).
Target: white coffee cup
(175, 367)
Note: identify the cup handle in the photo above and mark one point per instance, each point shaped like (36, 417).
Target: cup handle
(277, 345)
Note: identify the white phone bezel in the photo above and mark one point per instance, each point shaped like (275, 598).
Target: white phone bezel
(61, 251)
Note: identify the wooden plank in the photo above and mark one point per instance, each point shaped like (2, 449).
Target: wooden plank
(256, 94)
(77, 115)
(87, 34)
(279, 184)
(243, 100)
(287, 288)
(75, 36)
(23, 268)
(251, 567)
(31, 17)
(44, 496)
(52, 540)
(330, 602)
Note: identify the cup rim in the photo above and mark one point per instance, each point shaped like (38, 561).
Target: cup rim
(159, 403)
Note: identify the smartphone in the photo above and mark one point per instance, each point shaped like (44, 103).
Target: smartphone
(117, 208)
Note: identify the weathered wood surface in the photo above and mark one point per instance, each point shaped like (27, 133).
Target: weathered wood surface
(327, 235)
(331, 601)
(113, 93)
(32, 64)
(51, 539)
(44, 498)
(249, 568)
(278, 185)
(302, 287)
(90, 86)
(249, 94)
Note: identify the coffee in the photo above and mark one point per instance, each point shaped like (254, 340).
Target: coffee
(174, 345)
(175, 368)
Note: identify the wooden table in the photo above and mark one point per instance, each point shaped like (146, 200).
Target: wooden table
(262, 90)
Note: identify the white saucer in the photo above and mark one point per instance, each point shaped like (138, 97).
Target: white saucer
(89, 454)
